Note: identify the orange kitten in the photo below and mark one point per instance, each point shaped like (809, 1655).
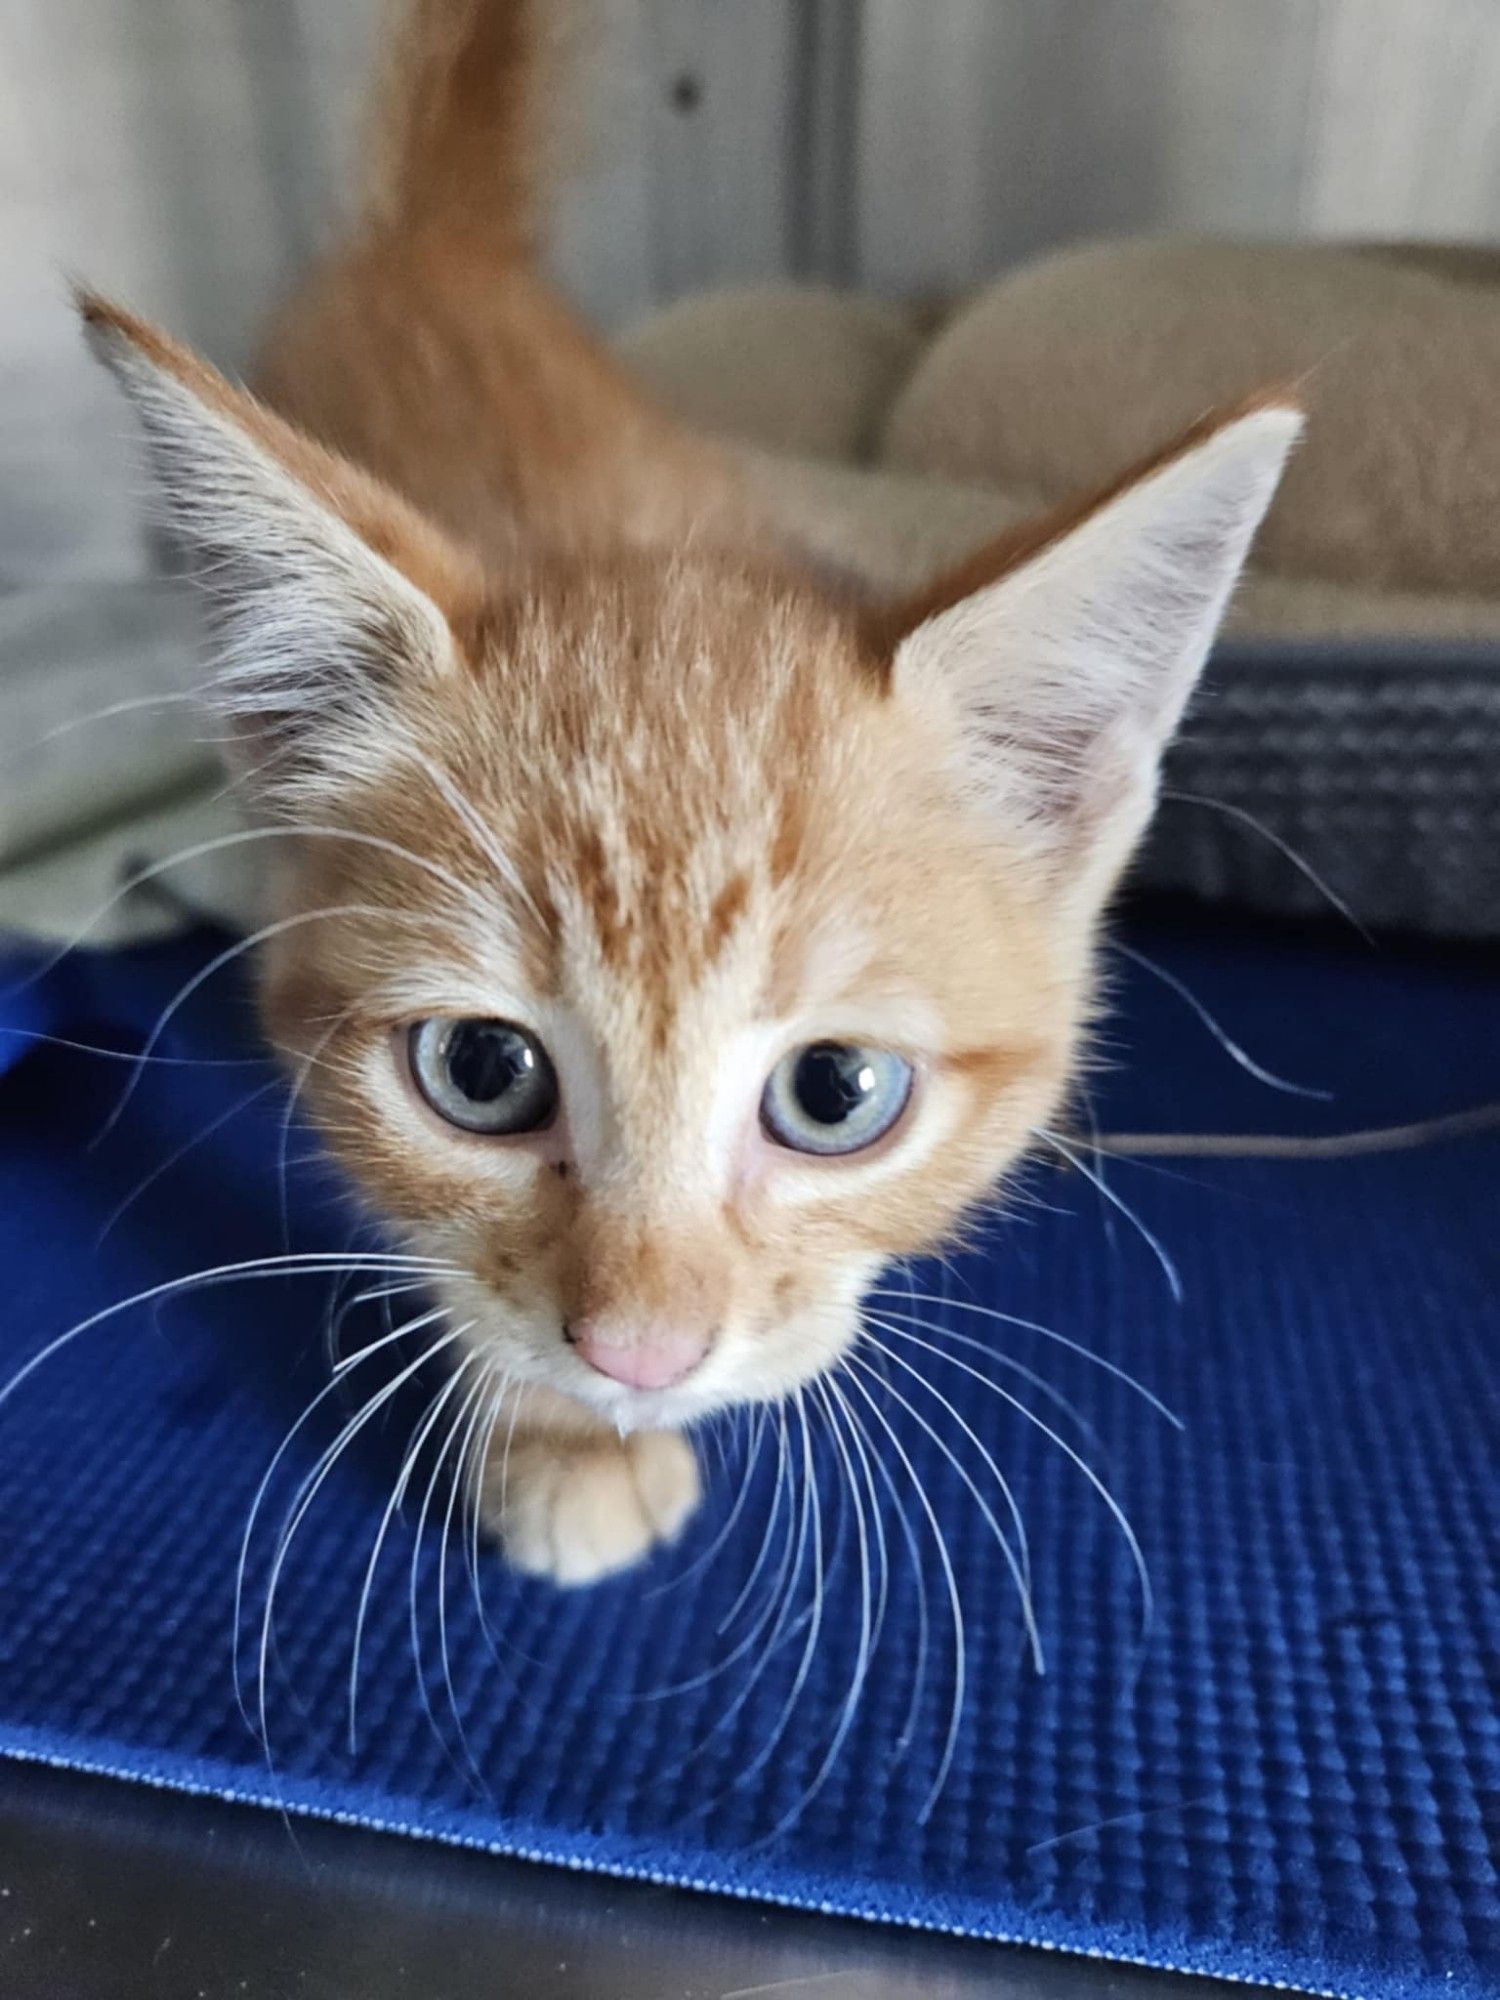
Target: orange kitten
(670, 942)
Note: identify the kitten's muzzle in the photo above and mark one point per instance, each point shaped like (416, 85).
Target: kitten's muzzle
(639, 1356)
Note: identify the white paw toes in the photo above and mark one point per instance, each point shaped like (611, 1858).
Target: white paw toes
(576, 1511)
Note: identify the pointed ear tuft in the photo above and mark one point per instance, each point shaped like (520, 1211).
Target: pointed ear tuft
(1065, 662)
(325, 590)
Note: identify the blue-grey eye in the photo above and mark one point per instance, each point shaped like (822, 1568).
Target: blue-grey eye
(484, 1076)
(834, 1097)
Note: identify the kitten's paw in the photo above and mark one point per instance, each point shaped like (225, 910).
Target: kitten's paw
(575, 1510)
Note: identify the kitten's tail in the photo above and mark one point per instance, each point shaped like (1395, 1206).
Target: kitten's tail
(454, 139)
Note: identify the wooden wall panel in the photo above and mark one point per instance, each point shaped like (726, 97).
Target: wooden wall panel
(992, 128)
(1405, 123)
(721, 76)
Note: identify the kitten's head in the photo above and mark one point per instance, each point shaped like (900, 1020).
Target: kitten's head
(666, 945)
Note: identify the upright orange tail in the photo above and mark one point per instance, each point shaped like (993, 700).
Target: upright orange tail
(432, 351)
(456, 136)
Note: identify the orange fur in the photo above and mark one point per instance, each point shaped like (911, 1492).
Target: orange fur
(454, 138)
(434, 353)
(555, 734)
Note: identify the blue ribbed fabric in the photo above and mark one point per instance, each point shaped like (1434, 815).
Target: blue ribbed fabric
(1289, 1779)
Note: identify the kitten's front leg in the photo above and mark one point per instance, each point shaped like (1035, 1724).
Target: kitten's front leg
(572, 1500)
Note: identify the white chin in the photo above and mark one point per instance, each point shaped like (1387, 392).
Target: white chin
(628, 1409)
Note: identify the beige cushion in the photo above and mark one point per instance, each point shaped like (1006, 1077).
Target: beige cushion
(1060, 374)
(794, 368)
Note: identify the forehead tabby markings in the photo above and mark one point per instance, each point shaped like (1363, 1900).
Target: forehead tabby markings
(601, 893)
(728, 907)
(786, 843)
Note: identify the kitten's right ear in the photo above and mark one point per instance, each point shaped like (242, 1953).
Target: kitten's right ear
(326, 591)
(1064, 655)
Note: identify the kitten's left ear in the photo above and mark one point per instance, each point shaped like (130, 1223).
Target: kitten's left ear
(1064, 655)
(327, 593)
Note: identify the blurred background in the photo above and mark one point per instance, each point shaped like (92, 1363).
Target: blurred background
(190, 154)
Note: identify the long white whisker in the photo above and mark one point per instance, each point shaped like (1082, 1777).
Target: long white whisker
(772, 1512)
(178, 1154)
(328, 1389)
(895, 1321)
(134, 706)
(1019, 1565)
(1220, 1034)
(308, 1493)
(418, 1325)
(815, 1623)
(873, 1463)
(862, 1657)
(465, 812)
(419, 1437)
(960, 1657)
(1046, 1333)
(780, 1598)
(779, 1609)
(244, 836)
(372, 1295)
(288, 1112)
(335, 1309)
(41, 1039)
(227, 957)
(701, 1562)
(470, 1466)
(484, 1445)
(1298, 861)
(465, 1416)
(517, 1393)
(219, 1274)
(839, 1406)
(987, 1457)
(1118, 1202)
(747, 1642)
(1117, 1512)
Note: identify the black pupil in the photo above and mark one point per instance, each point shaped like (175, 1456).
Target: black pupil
(833, 1081)
(486, 1061)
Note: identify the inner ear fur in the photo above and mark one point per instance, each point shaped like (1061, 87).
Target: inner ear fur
(887, 624)
(388, 525)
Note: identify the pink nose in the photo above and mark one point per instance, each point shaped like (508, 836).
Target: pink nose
(641, 1358)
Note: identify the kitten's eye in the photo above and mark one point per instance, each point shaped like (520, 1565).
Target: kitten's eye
(485, 1076)
(834, 1097)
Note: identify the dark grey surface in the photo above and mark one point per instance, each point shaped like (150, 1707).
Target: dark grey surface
(112, 1892)
(1315, 774)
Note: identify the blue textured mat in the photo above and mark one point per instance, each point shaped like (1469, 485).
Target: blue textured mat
(1288, 1784)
